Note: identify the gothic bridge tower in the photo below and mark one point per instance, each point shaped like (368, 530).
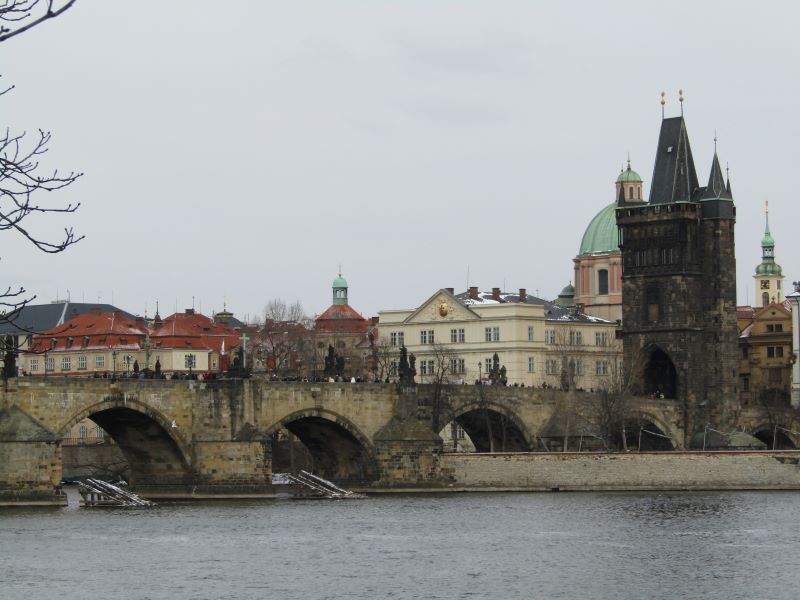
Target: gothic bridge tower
(679, 287)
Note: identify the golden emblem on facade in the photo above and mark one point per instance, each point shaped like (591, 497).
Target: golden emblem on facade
(443, 309)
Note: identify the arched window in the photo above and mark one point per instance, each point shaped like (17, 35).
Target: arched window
(638, 193)
(765, 299)
(602, 282)
(630, 193)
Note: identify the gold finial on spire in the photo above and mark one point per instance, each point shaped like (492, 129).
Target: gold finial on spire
(663, 102)
(340, 269)
(629, 161)
(766, 207)
(680, 99)
(224, 304)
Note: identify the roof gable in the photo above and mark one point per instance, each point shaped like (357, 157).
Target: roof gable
(442, 306)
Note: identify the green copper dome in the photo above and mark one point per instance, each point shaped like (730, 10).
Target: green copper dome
(339, 282)
(769, 268)
(601, 235)
(567, 295)
(628, 175)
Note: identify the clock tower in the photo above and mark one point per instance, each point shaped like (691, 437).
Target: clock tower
(769, 275)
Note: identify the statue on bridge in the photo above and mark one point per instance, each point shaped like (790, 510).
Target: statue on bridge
(406, 369)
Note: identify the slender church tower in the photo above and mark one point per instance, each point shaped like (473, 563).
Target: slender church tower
(769, 274)
(679, 287)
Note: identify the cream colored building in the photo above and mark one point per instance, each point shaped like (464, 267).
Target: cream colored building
(538, 342)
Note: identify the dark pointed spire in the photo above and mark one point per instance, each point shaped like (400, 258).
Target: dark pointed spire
(728, 177)
(716, 187)
(621, 194)
(674, 174)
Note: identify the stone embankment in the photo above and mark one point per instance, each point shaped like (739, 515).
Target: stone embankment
(659, 471)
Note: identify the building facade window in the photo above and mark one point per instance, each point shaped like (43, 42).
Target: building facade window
(426, 367)
(100, 362)
(457, 336)
(601, 367)
(774, 351)
(549, 336)
(575, 338)
(457, 366)
(531, 338)
(83, 432)
(50, 364)
(81, 363)
(551, 366)
(745, 383)
(397, 338)
(426, 336)
(601, 338)
(189, 361)
(491, 334)
(393, 369)
(33, 365)
(487, 365)
(66, 363)
(531, 364)
(602, 282)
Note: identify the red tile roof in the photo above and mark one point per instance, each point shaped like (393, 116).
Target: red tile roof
(341, 318)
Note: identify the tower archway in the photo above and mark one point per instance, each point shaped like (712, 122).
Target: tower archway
(660, 375)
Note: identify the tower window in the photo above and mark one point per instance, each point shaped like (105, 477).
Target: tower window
(765, 299)
(630, 193)
(602, 282)
(652, 303)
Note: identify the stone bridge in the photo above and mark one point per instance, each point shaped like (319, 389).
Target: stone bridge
(194, 438)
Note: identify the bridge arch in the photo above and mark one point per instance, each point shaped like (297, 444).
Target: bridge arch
(155, 449)
(780, 437)
(647, 429)
(339, 450)
(493, 427)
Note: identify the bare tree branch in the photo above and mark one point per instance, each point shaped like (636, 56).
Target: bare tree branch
(17, 11)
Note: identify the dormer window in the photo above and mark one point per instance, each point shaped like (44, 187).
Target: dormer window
(70, 341)
(53, 343)
(85, 341)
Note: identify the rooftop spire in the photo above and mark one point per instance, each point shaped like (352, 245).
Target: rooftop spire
(680, 99)
(716, 187)
(663, 102)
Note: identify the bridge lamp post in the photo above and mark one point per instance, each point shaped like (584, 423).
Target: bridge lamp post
(45, 363)
(114, 363)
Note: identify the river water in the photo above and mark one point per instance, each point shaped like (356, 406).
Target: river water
(559, 545)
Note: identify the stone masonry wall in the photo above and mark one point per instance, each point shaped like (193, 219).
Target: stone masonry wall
(640, 471)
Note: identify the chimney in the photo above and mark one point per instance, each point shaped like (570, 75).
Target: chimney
(473, 292)
(495, 293)
(523, 295)
(189, 311)
(451, 290)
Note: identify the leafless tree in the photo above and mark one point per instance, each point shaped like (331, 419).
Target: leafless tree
(21, 176)
(284, 339)
(18, 16)
(606, 414)
(444, 361)
(384, 356)
(278, 310)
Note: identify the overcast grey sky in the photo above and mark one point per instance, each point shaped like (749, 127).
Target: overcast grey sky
(243, 150)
